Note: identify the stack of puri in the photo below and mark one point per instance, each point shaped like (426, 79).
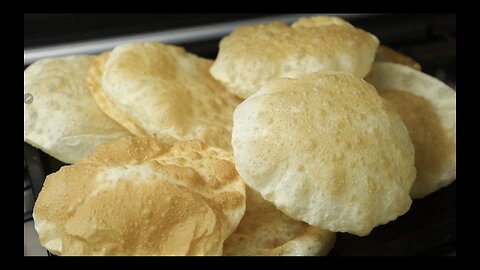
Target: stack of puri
(291, 134)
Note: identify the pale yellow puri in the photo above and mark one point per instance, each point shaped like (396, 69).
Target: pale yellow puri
(63, 119)
(317, 21)
(137, 196)
(164, 92)
(387, 54)
(253, 55)
(428, 108)
(325, 149)
(266, 231)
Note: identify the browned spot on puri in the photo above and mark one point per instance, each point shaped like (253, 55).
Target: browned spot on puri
(229, 199)
(224, 170)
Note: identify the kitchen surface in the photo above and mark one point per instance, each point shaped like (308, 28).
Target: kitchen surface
(429, 228)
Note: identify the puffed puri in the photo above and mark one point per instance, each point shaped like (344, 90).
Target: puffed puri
(325, 149)
(252, 55)
(428, 108)
(64, 120)
(138, 196)
(162, 91)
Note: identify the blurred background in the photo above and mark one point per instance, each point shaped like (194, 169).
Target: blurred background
(428, 38)
(429, 228)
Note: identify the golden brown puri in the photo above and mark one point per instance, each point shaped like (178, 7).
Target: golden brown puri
(94, 83)
(253, 55)
(387, 54)
(433, 147)
(318, 21)
(137, 196)
(428, 108)
(63, 120)
(325, 149)
(266, 231)
(164, 92)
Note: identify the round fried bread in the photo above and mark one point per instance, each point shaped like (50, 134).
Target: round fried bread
(137, 196)
(325, 149)
(162, 91)
(428, 108)
(253, 55)
(63, 120)
(317, 21)
(387, 54)
(266, 231)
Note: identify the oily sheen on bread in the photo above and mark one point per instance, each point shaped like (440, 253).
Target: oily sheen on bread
(137, 196)
(63, 120)
(164, 92)
(253, 55)
(325, 149)
(428, 108)
(266, 231)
